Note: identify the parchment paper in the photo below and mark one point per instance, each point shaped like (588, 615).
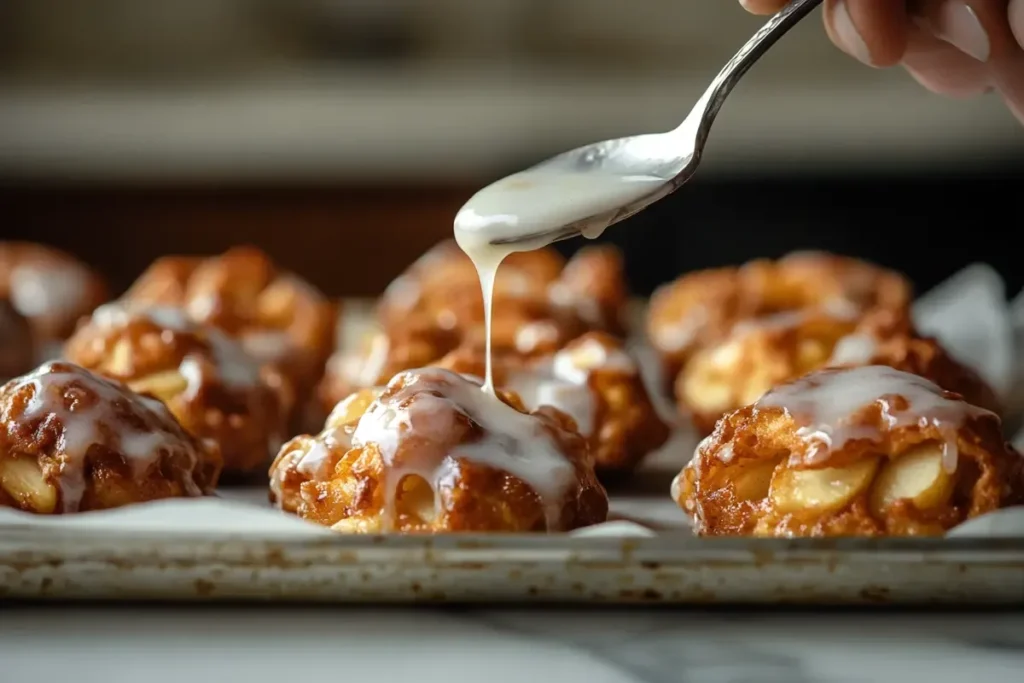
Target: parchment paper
(968, 312)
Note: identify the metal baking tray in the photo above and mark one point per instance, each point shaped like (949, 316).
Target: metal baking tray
(274, 557)
(672, 568)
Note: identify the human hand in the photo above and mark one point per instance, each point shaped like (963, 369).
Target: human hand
(958, 48)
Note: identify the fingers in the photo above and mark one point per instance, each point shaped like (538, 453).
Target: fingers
(872, 31)
(763, 6)
(1015, 16)
(942, 68)
(985, 31)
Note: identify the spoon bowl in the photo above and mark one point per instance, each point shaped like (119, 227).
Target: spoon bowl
(587, 189)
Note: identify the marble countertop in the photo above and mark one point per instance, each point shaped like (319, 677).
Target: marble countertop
(255, 644)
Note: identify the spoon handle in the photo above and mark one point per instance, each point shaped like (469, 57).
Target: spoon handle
(711, 101)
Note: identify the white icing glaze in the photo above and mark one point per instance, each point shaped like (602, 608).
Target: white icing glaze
(529, 207)
(563, 381)
(577, 361)
(824, 403)
(87, 423)
(39, 289)
(413, 430)
(233, 367)
(540, 387)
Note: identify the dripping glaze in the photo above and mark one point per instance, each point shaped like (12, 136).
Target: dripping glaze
(82, 427)
(530, 207)
(824, 404)
(412, 425)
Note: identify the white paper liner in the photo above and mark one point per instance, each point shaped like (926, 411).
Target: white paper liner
(968, 313)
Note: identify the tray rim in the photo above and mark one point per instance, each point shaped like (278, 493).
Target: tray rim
(665, 548)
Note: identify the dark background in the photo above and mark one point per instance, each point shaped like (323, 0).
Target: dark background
(353, 240)
(813, 150)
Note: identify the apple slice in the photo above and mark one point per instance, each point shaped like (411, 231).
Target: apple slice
(917, 475)
(707, 392)
(753, 481)
(22, 479)
(820, 490)
(164, 385)
(350, 409)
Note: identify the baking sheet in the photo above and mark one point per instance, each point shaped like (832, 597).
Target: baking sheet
(236, 546)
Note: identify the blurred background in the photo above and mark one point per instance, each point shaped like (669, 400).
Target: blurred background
(342, 135)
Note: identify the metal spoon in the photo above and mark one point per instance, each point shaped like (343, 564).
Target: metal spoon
(674, 155)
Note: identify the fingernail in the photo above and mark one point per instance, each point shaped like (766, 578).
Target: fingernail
(847, 32)
(957, 24)
(1015, 13)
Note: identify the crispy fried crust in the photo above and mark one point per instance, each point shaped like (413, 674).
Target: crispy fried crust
(924, 356)
(381, 357)
(593, 286)
(541, 303)
(759, 474)
(443, 287)
(204, 377)
(278, 317)
(592, 375)
(702, 308)
(761, 354)
(419, 475)
(49, 287)
(722, 377)
(73, 441)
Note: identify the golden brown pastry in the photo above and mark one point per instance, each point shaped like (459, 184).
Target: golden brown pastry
(74, 441)
(381, 357)
(443, 288)
(593, 286)
(433, 453)
(49, 288)
(861, 451)
(594, 381)
(279, 318)
(922, 356)
(700, 309)
(541, 304)
(759, 354)
(214, 389)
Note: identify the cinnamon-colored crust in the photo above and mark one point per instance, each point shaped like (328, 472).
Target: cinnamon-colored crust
(214, 389)
(722, 377)
(541, 303)
(741, 476)
(380, 357)
(755, 357)
(37, 460)
(279, 318)
(702, 308)
(48, 287)
(926, 357)
(444, 288)
(350, 491)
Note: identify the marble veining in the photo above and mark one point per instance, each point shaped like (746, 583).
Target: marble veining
(257, 644)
